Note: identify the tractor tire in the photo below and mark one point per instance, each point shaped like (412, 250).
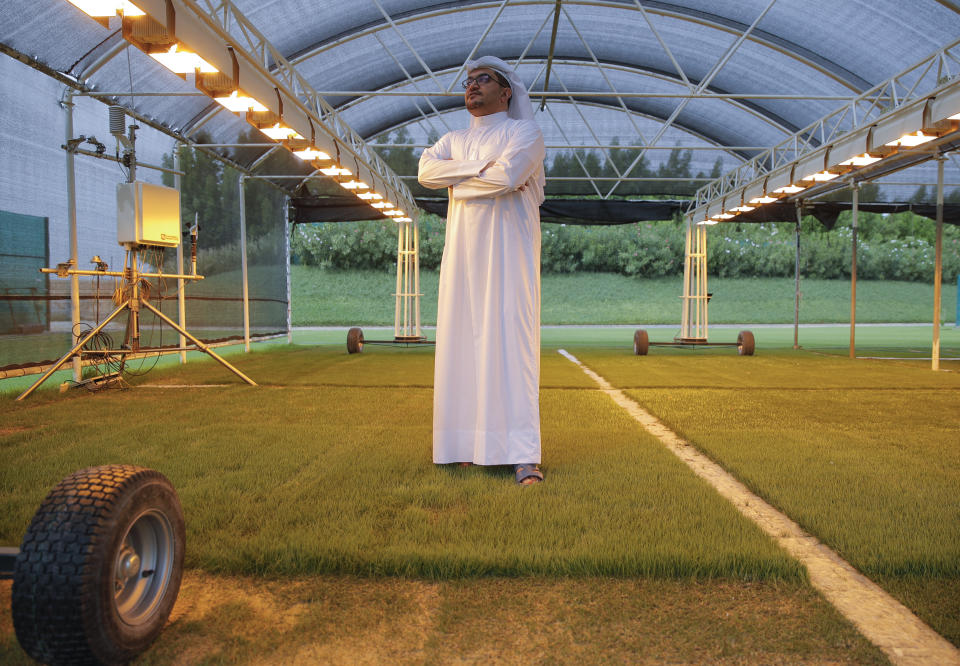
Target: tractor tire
(745, 343)
(355, 340)
(641, 342)
(100, 567)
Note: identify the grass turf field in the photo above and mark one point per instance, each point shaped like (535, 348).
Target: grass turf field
(324, 470)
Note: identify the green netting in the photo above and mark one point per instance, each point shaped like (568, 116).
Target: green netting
(23, 289)
(36, 311)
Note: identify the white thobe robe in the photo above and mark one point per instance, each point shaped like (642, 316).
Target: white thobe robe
(487, 371)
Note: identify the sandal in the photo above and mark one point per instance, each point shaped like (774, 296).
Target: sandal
(528, 474)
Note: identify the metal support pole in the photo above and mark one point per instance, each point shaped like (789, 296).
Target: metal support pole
(399, 297)
(243, 263)
(181, 297)
(416, 271)
(286, 249)
(853, 270)
(938, 266)
(72, 222)
(76, 348)
(796, 280)
(200, 345)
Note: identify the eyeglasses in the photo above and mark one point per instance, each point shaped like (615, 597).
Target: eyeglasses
(482, 79)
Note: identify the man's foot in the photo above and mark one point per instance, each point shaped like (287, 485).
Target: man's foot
(465, 464)
(528, 474)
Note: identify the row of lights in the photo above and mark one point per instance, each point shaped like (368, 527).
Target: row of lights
(908, 140)
(181, 61)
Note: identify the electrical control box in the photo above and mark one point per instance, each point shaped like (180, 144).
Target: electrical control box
(148, 214)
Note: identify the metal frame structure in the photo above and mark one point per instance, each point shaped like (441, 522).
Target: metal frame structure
(576, 75)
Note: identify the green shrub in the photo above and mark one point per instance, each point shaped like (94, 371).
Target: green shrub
(894, 247)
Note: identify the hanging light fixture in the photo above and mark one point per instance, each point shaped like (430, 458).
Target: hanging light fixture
(107, 8)
(311, 154)
(382, 204)
(821, 176)
(238, 102)
(789, 189)
(181, 61)
(335, 170)
(354, 185)
(912, 139)
(369, 196)
(860, 160)
(280, 132)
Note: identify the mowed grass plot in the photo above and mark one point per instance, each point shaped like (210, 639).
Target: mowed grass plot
(345, 620)
(336, 476)
(865, 455)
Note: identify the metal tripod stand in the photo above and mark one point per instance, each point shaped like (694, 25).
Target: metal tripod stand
(133, 302)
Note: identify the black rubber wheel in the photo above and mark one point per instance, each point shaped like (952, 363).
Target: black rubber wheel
(641, 342)
(355, 340)
(745, 343)
(100, 567)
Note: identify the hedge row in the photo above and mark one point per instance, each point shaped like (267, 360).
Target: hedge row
(890, 248)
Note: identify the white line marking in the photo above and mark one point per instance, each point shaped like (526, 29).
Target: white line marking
(883, 620)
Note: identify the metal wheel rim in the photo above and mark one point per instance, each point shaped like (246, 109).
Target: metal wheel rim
(143, 567)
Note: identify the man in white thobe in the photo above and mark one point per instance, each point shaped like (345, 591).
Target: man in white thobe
(486, 378)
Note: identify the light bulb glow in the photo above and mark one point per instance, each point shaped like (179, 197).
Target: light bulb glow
(721, 216)
(742, 208)
(912, 139)
(355, 185)
(789, 189)
(955, 116)
(107, 8)
(311, 154)
(821, 176)
(860, 160)
(369, 196)
(763, 200)
(240, 103)
(381, 204)
(335, 171)
(707, 222)
(180, 61)
(280, 132)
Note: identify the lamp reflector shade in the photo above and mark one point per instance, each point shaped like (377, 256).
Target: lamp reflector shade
(107, 8)
(280, 132)
(789, 189)
(179, 61)
(239, 103)
(860, 160)
(821, 176)
(311, 154)
(912, 139)
(335, 171)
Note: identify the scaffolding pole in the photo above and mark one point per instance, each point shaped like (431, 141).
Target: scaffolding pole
(938, 267)
(853, 269)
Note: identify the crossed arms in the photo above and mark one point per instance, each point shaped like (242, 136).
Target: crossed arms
(495, 176)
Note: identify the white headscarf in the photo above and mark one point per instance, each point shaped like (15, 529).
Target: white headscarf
(520, 108)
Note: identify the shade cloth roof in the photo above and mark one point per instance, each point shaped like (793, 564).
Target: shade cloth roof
(722, 79)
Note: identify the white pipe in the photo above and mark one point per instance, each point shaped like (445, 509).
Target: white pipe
(72, 227)
(286, 249)
(938, 267)
(796, 284)
(181, 297)
(853, 271)
(243, 263)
